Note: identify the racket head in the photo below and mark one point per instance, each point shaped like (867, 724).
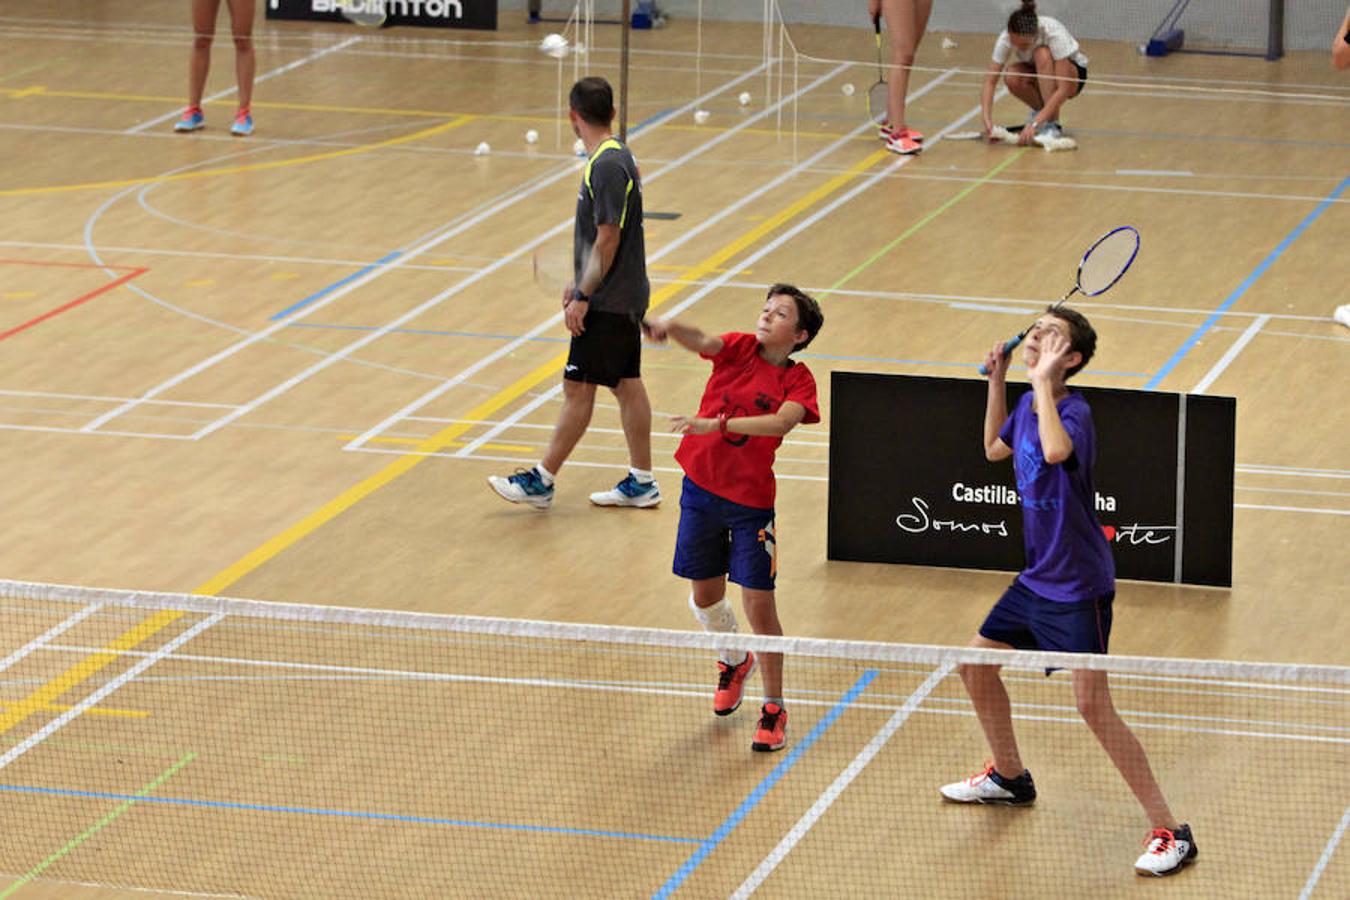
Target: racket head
(1109, 258)
(551, 266)
(877, 96)
(367, 13)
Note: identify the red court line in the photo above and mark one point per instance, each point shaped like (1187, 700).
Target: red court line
(74, 303)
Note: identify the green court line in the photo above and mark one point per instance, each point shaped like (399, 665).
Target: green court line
(96, 827)
(33, 68)
(913, 229)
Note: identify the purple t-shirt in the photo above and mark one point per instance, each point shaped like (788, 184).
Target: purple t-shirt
(1068, 557)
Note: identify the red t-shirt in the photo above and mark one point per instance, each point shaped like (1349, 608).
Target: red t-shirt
(739, 467)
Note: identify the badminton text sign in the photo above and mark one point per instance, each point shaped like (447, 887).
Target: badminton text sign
(909, 482)
(477, 14)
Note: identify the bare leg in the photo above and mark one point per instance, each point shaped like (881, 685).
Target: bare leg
(575, 417)
(635, 411)
(708, 591)
(245, 61)
(203, 32)
(1094, 704)
(762, 612)
(994, 710)
(1023, 86)
(906, 21)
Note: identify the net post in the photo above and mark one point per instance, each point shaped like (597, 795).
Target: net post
(625, 25)
(1275, 36)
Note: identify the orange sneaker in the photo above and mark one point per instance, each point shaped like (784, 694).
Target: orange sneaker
(731, 684)
(903, 142)
(772, 731)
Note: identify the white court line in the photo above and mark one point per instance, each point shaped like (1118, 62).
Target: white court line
(493, 432)
(102, 399)
(1246, 338)
(159, 892)
(97, 696)
(1325, 858)
(850, 772)
(1301, 509)
(318, 54)
(1168, 173)
(242, 257)
(355, 284)
(389, 421)
(773, 245)
(1293, 471)
(41, 640)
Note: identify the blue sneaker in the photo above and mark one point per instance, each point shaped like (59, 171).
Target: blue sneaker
(243, 124)
(192, 120)
(523, 487)
(629, 492)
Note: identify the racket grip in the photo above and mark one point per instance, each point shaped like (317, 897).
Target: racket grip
(1008, 347)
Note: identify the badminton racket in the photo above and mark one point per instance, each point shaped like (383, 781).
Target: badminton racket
(1110, 256)
(879, 93)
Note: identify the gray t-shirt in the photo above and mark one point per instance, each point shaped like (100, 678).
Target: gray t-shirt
(611, 194)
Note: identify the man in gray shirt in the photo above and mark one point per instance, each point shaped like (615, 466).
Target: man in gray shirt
(603, 308)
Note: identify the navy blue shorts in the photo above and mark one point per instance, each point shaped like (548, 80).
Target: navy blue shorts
(1029, 621)
(717, 537)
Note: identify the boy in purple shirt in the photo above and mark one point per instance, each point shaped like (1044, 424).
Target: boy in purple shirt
(1062, 600)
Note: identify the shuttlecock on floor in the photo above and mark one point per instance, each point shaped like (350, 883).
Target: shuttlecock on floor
(700, 116)
(554, 45)
(1342, 315)
(744, 98)
(531, 137)
(847, 89)
(483, 149)
(948, 43)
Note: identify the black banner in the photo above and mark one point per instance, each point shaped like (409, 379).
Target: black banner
(909, 482)
(479, 14)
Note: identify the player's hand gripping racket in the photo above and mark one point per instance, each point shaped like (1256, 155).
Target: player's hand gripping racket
(1100, 268)
(879, 93)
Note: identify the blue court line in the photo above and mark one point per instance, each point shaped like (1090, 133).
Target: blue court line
(708, 846)
(1247, 282)
(335, 285)
(343, 813)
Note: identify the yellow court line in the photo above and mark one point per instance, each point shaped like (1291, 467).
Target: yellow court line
(249, 167)
(46, 693)
(43, 695)
(105, 96)
(449, 435)
(99, 711)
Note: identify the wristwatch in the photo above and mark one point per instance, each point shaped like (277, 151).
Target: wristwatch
(578, 295)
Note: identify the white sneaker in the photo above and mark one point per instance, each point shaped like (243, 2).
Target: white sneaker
(1168, 852)
(991, 787)
(523, 487)
(629, 492)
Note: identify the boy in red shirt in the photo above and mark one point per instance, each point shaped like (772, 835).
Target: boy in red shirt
(755, 396)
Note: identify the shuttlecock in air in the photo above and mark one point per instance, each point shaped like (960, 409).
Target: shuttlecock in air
(483, 149)
(700, 116)
(744, 98)
(531, 137)
(554, 45)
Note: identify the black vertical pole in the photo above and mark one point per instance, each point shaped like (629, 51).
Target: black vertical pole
(1275, 40)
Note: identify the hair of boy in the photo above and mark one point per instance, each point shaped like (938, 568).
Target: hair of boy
(593, 99)
(1082, 336)
(809, 317)
(1023, 21)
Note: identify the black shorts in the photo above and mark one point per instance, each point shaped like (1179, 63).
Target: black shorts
(1082, 78)
(609, 350)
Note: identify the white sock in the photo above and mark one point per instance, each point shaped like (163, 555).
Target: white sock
(643, 476)
(719, 618)
(544, 474)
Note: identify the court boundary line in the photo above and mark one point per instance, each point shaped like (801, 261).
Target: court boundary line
(1246, 285)
(72, 304)
(1232, 353)
(841, 782)
(1325, 859)
(779, 772)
